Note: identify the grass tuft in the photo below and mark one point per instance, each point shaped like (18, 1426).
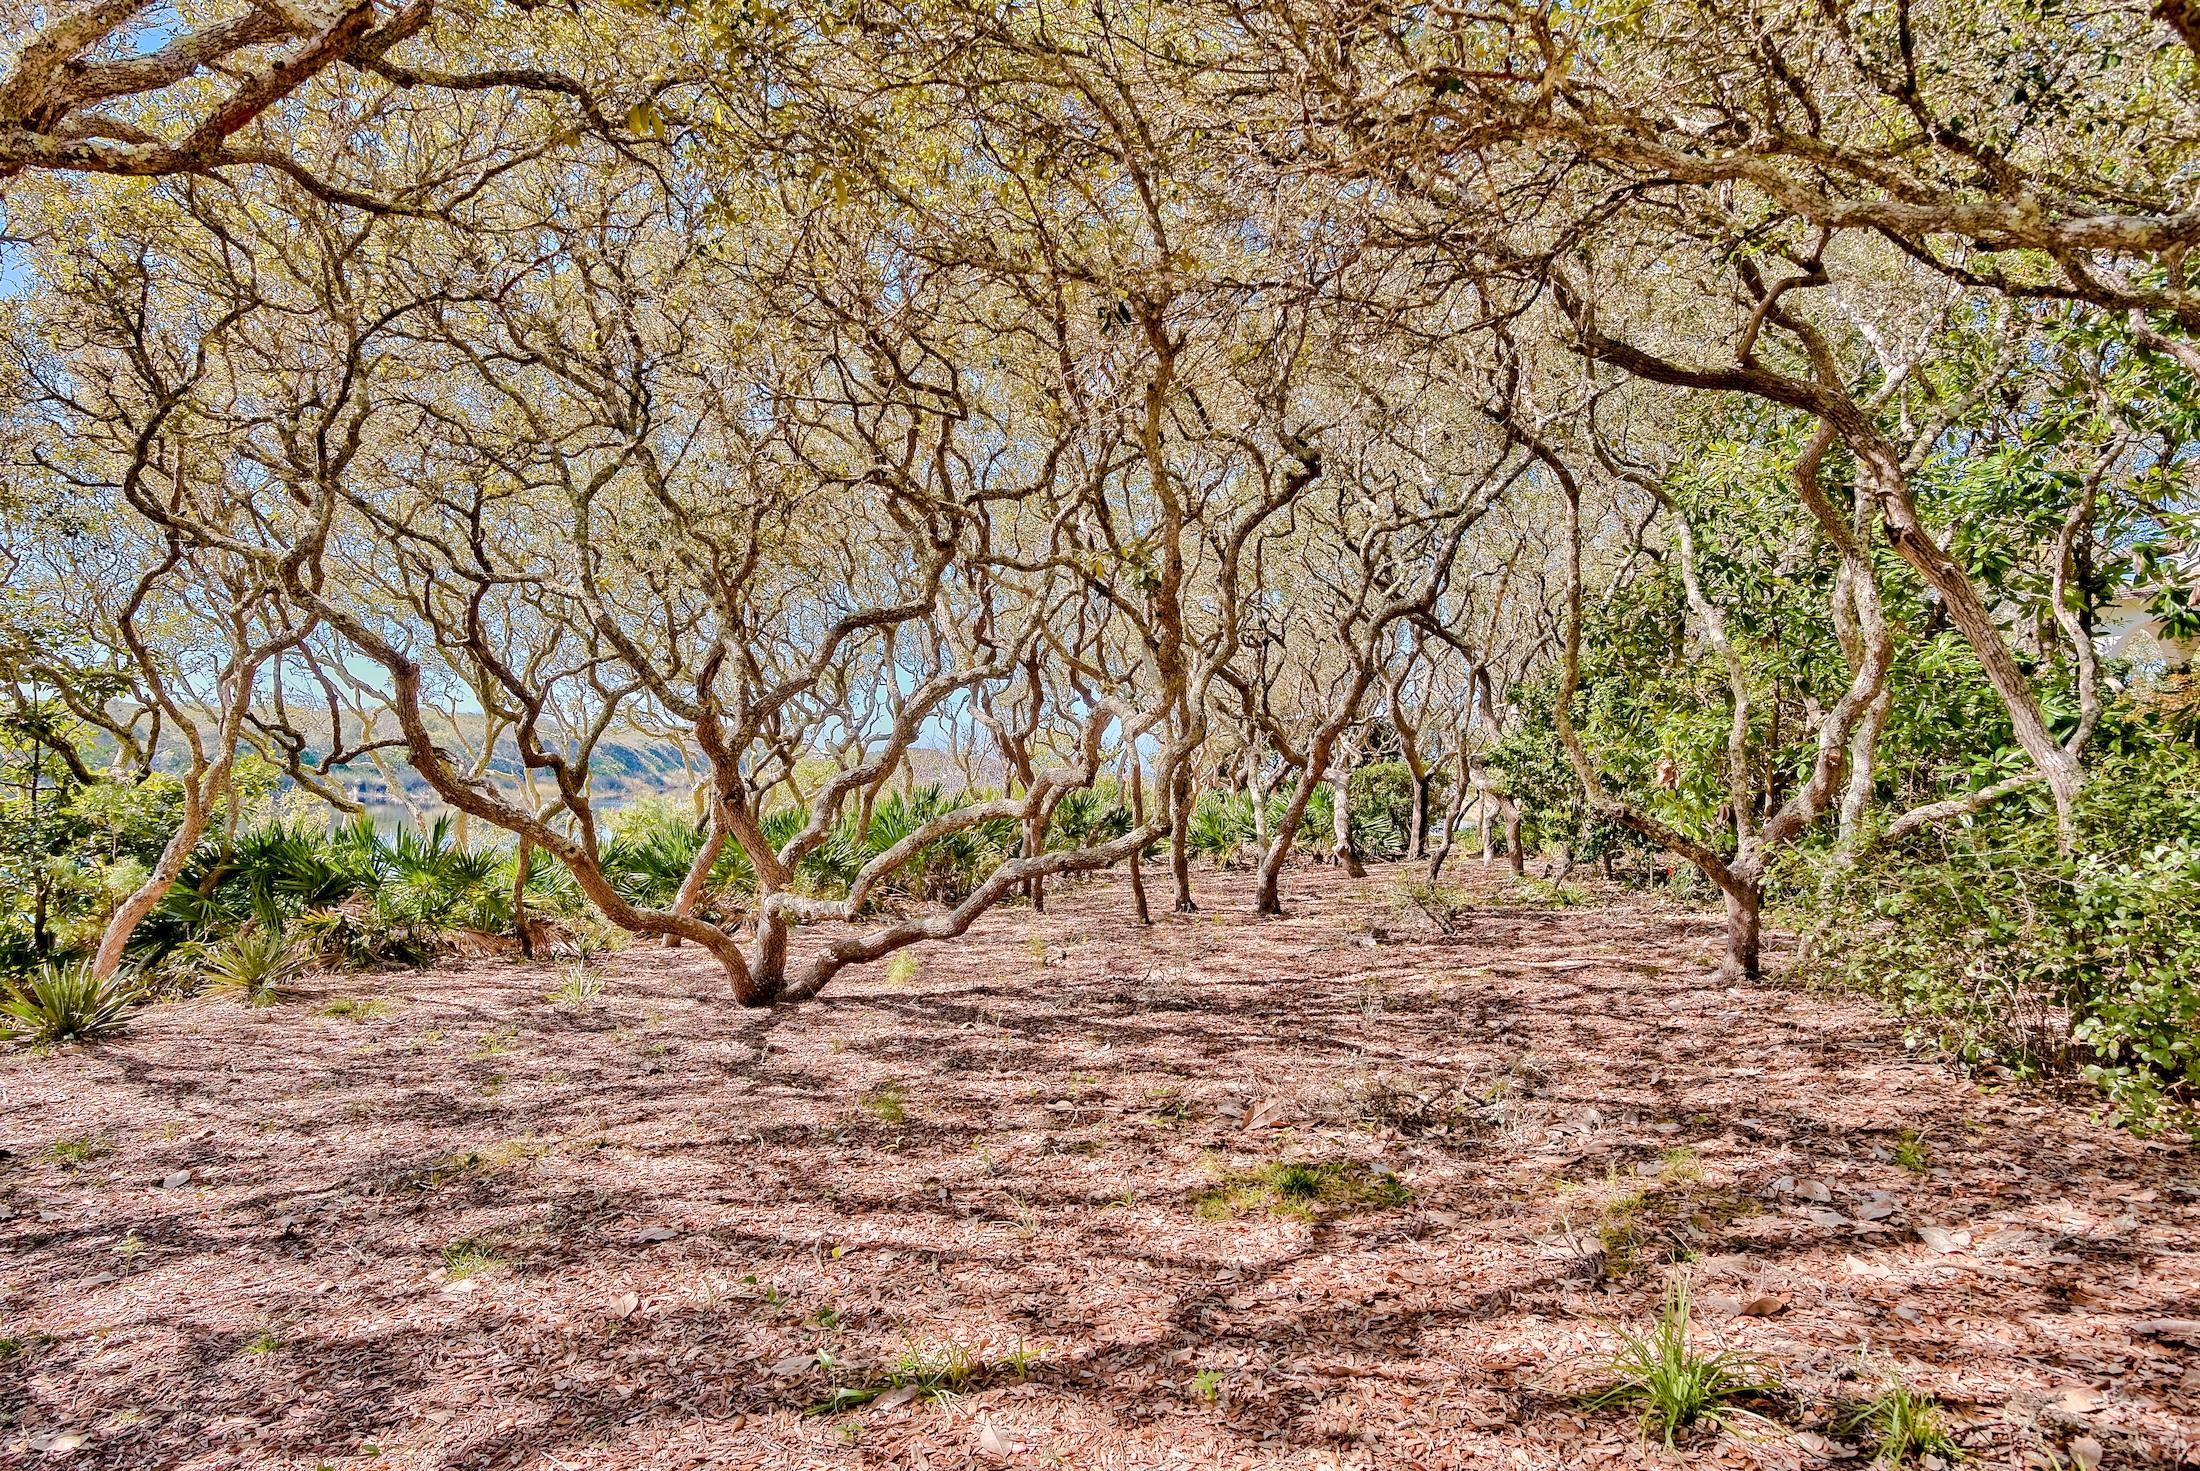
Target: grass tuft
(581, 989)
(931, 1371)
(74, 1151)
(1304, 1188)
(471, 1256)
(1901, 1424)
(1674, 1384)
(354, 1008)
(1545, 894)
(888, 1103)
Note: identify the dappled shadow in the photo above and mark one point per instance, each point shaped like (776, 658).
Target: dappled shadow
(476, 1226)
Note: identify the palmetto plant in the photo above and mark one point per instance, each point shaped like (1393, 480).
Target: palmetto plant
(433, 880)
(1220, 827)
(1087, 815)
(66, 1003)
(258, 964)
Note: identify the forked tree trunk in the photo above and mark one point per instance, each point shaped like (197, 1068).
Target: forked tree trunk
(697, 878)
(1269, 900)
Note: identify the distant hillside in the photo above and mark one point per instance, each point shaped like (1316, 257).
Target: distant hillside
(628, 766)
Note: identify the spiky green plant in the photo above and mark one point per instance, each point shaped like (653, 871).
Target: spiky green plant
(1902, 1424)
(1674, 1383)
(67, 1003)
(1220, 827)
(258, 964)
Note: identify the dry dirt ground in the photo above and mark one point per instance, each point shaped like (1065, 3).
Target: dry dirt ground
(465, 1225)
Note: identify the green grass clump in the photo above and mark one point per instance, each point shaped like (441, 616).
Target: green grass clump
(1912, 1153)
(1668, 1221)
(582, 988)
(1900, 1424)
(496, 1043)
(76, 1150)
(1548, 895)
(354, 1008)
(1304, 1188)
(932, 1371)
(470, 1256)
(66, 1003)
(1673, 1383)
(888, 1103)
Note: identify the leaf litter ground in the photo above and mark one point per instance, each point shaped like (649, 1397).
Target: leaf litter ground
(1325, 1191)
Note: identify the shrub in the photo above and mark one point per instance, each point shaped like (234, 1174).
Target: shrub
(67, 1003)
(2002, 950)
(1382, 808)
(1221, 825)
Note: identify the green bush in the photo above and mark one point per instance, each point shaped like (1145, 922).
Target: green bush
(67, 1003)
(2128, 959)
(1382, 808)
(1221, 827)
(1991, 943)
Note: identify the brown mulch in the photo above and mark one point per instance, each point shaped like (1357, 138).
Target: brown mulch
(478, 1227)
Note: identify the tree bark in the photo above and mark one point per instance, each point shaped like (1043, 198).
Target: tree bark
(1138, 819)
(1340, 782)
(1745, 900)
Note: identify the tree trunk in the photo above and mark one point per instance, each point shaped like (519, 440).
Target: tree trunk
(1035, 888)
(1745, 899)
(1340, 782)
(1417, 818)
(1180, 853)
(697, 877)
(1270, 901)
(1138, 820)
(522, 870)
(124, 921)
